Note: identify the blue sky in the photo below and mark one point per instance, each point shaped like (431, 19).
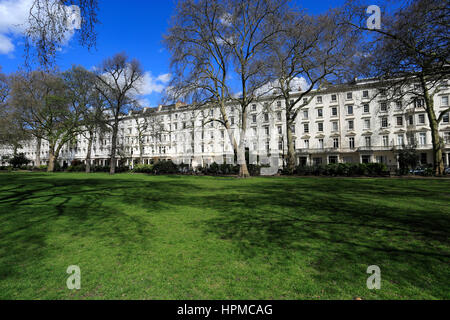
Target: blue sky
(133, 26)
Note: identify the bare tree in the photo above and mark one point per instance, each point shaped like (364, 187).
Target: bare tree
(82, 94)
(12, 130)
(118, 82)
(142, 123)
(212, 42)
(311, 52)
(410, 54)
(41, 100)
(50, 22)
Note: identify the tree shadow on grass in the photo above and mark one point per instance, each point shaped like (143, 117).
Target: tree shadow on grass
(338, 233)
(76, 208)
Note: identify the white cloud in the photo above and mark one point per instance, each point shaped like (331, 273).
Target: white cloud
(151, 84)
(297, 84)
(6, 46)
(14, 21)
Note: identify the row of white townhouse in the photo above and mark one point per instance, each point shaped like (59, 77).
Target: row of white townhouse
(351, 123)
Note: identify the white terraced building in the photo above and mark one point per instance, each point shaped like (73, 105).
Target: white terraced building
(352, 123)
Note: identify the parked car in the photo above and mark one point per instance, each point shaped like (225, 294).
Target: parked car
(418, 171)
(447, 171)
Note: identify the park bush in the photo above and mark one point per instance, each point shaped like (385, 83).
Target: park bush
(77, 168)
(143, 168)
(165, 167)
(342, 170)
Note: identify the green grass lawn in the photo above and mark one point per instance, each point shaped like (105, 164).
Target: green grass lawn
(144, 237)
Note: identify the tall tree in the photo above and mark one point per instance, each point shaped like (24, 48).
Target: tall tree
(82, 94)
(213, 42)
(310, 52)
(51, 22)
(12, 131)
(45, 109)
(410, 54)
(119, 80)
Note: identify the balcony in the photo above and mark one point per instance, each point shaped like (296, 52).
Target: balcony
(375, 148)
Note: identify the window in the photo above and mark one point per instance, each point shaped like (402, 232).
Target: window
(349, 95)
(423, 158)
(305, 114)
(280, 144)
(334, 111)
(400, 140)
(351, 125)
(349, 110)
(447, 137)
(383, 106)
(280, 130)
(254, 118)
(444, 101)
(253, 107)
(351, 143)
(365, 159)
(232, 120)
(255, 131)
(335, 126)
(445, 118)
(266, 130)
(320, 143)
(306, 128)
(319, 100)
(419, 103)
(333, 98)
(279, 116)
(368, 142)
(421, 119)
(320, 127)
(400, 121)
(279, 104)
(385, 141)
(291, 103)
(333, 159)
(422, 138)
(410, 120)
(305, 101)
(383, 92)
(384, 122)
(398, 105)
(317, 161)
(319, 113)
(266, 117)
(366, 108)
(306, 144)
(336, 143)
(365, 94)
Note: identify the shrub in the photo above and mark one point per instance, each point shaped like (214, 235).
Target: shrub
(19, 160)
(165, 167)
(143, 168)
(213, 169)
(254, 170)
(77, 168)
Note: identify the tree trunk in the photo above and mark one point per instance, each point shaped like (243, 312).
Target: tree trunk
(243, 170)
(89, 151)
(38, 152)
(51, 160)
(114, 147)
(290, 144)
(438, 162)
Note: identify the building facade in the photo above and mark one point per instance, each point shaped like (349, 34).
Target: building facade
(352, 123)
